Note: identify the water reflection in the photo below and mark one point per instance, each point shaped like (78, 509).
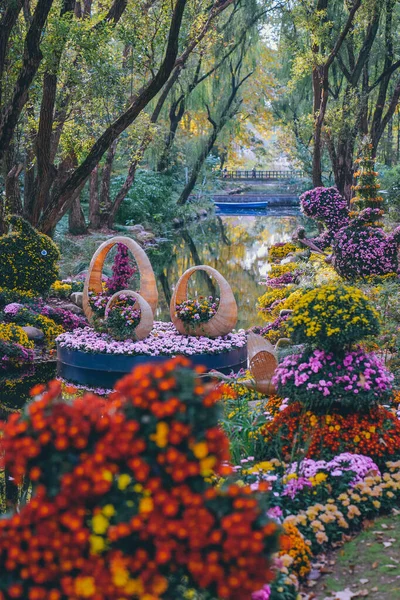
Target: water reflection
(235, 245)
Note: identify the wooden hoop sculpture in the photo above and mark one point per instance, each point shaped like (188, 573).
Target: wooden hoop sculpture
(148, 286)
(224, 319)
(263, 362)
(146, 314)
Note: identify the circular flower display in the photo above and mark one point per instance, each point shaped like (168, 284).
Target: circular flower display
(332, 317)
(164, 340)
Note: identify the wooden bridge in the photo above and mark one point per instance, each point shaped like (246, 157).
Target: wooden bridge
(261, 175)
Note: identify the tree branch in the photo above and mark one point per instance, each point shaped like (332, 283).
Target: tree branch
(30, 64)
(343, 34)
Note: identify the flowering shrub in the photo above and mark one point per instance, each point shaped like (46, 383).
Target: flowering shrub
(326, 206)
(122, 270)
(281, 281)
(299, 551)
(333, 317)
(375, 433)
(282, 275)
(275, 330)
(279, 251)
(98, 303)
(15, 296)
(361, 251)
(120, 495)
(13, 333)
(359, 465)
(123, 318)
(13, 355)
(28, 259)
(164, 340)
(61, 289)
(325, 523)
(322, 381)
(271, 303)
(65, 287)
(67, 319)
(26, 316)
(193, 312)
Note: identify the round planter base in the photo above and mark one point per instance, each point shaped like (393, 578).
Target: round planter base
(104, 370)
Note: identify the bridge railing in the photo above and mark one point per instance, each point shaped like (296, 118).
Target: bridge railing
(262, 175)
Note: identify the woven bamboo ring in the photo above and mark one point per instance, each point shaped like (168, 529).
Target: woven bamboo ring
(93, 283)
(226, 316)
(146, 314)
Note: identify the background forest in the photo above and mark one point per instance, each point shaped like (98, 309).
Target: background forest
(114, 111)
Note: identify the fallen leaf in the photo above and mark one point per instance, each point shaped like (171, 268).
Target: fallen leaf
(361, 594)
(375, 565)
(346, 594)
(326, 570)
(384, 526)
(315, 574)
(387, 544)
(363, 581)
(374, 589)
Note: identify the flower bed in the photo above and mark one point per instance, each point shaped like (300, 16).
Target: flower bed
(375, 433)
(320, 380)
(96, 359)
(319, 503)
(164, 340)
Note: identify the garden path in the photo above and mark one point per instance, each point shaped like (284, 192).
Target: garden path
(368, 566)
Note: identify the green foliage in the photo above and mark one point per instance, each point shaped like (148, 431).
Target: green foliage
(151, 200)
(28, 259)
(391, 184)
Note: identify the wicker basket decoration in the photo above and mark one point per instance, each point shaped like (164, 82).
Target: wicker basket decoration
(262, 362)
(146, 314)
(148, 286)
(224, 319)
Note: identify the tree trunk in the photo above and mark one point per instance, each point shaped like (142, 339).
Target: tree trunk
(320, 90)
(76, 218)
(105, 200)
(108, 217)
(389, 145)
(187, 190)
(30, 63)
(176, 113)
(13, 190)
(94, 203)
(46, 172)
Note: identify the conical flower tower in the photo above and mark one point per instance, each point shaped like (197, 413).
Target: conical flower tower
(367, 187)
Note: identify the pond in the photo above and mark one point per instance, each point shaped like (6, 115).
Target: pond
(235, 245)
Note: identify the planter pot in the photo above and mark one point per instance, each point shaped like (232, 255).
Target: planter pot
(104, 370)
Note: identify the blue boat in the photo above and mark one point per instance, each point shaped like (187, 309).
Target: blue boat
(240, 205)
